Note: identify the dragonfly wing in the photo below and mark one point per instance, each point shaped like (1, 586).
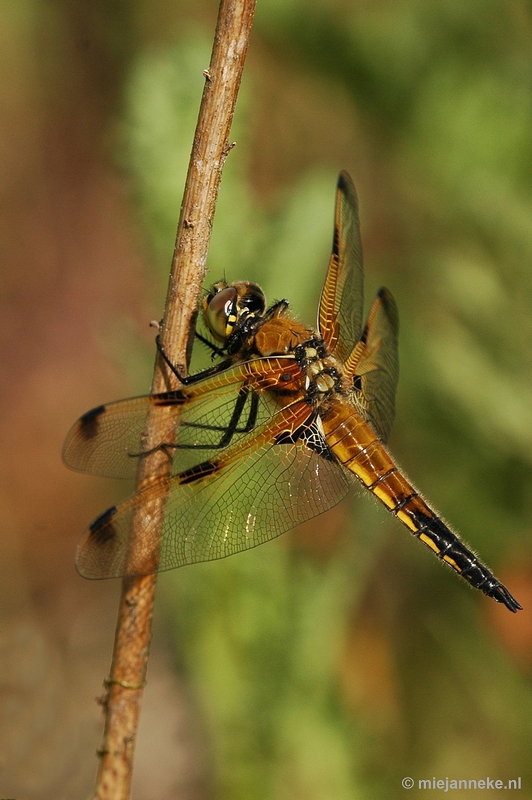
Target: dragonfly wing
(342, 298)
(109, 440)
(373, 365)
(103, 441)
(273, 479)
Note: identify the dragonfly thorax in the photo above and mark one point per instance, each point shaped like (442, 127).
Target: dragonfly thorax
(280, 336)
(323, 377)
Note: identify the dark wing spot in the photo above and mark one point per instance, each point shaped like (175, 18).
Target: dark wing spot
(311, 436)
(336, 243)
(173, 398)
(89, 422)
(198, 472)
(357, 383)
(287, 438)
(390, 306)
(102, 530)
(344, 182)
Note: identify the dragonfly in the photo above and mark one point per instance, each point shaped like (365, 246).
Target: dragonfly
(273, 434)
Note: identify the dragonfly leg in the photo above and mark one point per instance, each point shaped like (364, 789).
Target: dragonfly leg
(191, 379)
(228, 431)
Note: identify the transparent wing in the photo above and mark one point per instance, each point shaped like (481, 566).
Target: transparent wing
(198, 420)
(373, 365)
(342, 298)
(104, 441)
(273, 479)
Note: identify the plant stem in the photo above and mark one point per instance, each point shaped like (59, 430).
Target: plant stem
(209, 151)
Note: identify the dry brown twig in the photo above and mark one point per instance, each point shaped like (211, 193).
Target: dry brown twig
(210, 148)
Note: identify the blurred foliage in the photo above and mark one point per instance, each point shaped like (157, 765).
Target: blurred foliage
(334, 663)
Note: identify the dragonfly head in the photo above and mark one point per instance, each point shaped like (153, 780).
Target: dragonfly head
(227, 307)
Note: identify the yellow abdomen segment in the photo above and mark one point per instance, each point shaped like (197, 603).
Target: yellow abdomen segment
(356, 445)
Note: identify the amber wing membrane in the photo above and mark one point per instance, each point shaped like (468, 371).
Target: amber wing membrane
(373, 365)
(342, 298)
(109, 440)
(272, 479)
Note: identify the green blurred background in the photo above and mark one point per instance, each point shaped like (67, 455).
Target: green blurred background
(333, 662)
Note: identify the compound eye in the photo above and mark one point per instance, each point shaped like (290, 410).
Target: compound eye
(251, 298)
(219, 313)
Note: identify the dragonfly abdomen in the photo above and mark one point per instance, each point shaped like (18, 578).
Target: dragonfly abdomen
(357, 447)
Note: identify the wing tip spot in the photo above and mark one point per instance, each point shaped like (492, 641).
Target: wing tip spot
(89, 422)
(345, 182)
(390, 306)
(102, 530)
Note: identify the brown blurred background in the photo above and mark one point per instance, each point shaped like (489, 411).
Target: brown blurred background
(341, 658)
